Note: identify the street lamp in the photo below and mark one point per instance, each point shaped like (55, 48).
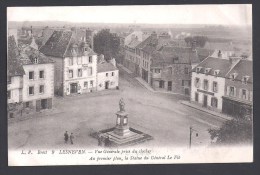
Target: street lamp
(191, 130)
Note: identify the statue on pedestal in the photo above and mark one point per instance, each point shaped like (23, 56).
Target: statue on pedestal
(122, 105)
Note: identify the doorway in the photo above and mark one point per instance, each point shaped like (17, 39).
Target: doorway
(106, 84)
(205, 101)
(44, 104)
(73, 88)
(169, 86)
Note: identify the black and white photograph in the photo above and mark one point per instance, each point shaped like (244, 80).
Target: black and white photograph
(129, 84)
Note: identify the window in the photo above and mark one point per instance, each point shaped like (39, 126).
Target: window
(112, 73)
(71, 61)
(91, 83)
(170, 70)
(215, 87)
(245, 79)
(79, 60)
(196, 97)
(41, 74)
(214, 102)
(90, 59)
(232, 91)
(207, 70)
(182, 82)
(216, 72)
(157, 71)
(106, 74)
(27, 104)
(9, 80)
(197, 82)
(41, 89)
(233, 76)
(186, 70)
(31, 75)
(8, 94)
(79, 72)
(189, 82)
(31, 90)
(205, 87)
(86, 84)
(35, 60)
(89, 71)
(244, 94)
(70, 73)
(198, 69)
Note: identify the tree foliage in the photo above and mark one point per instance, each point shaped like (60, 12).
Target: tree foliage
(199, 40)
(235, 131)
(106, 43)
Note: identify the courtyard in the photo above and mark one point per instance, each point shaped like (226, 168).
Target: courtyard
(159, 115)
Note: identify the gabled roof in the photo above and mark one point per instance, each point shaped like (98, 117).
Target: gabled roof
(29, 53)
(61, 44)
(223, 65)
(105, 67)
(133, 43)
(57, 44)
(204, 53)
(242, 68)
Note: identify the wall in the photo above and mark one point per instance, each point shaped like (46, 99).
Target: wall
(47, 81)
(15, 88)
(58, 78)
(218, 95)
(102, 78)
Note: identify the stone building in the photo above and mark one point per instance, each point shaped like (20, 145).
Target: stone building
(238, 97)
(107, 75)
(171, 67)
(75, 63)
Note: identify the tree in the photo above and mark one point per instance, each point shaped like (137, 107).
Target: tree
(106, 43)
(200, 40)
(235, 131)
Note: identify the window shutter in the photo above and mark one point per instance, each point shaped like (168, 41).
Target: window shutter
(228, 90)
(251, 95)
(235, 92)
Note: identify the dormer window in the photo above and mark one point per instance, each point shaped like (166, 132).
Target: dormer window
(198, 69)
(35, 60)
(245, 79)
(207, 70)
(233, 76)
(216, 72)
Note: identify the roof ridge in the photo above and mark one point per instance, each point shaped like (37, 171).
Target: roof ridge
(67, 45)
(232, 67)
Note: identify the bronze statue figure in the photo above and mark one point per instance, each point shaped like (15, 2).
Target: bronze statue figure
(122, 105)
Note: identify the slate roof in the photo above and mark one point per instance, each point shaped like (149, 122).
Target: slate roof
(29, 53)
(14, 65)
(204, 53)
(133, 43)
(61, 43)
(242, 68)
(223, 65)
(182, 55)
(105, 67)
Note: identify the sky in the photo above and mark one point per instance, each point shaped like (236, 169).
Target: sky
(234, 14)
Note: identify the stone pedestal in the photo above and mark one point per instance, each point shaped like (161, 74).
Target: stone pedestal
(122, 128)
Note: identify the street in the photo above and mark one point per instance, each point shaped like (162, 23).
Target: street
(159, 115)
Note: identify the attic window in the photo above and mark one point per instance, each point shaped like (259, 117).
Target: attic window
(245, 79)
(233, 76)
(216, 72)
(35, 60)
(198, 69)
(207, 70)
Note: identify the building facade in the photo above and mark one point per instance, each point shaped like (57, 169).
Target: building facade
(107, 75)
(38, 81)
(238, 98)
(208, 82)
(75, 63)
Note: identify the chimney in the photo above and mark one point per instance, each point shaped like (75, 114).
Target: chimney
(154, 34)
(219, 54)
(113, 61)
